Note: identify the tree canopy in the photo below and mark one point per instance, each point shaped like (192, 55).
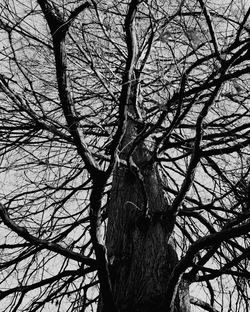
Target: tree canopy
(74, 77)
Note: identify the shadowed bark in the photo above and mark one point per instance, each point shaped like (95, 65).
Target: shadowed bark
(140, 249)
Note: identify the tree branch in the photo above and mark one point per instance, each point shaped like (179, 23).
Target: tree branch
(58, 30)
(211, 29)
(202, 304)
(196, 154)
(25, 288)
(128, 76)
(23, 232)
(38, 120)
(100, 250)
(202, 243)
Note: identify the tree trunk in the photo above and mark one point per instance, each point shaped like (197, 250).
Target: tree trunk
(140, 250)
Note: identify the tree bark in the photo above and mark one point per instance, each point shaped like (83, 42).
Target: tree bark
(140, 251)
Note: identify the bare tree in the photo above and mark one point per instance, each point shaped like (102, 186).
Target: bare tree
(124, 155)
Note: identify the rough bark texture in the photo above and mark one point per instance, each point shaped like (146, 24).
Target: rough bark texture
(140, 251)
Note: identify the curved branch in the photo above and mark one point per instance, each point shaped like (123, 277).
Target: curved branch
(196, 154)
(202, 243)
(25, 288)
(127, 78)
(23, 232)
(58, 32)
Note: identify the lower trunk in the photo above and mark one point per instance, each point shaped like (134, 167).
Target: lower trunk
(140, 250)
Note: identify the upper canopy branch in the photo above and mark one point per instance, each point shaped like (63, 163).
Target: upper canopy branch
(57, 24)
(58, 28)
(128, 76)
(211, 29)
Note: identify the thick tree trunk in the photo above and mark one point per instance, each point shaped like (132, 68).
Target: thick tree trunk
(140, 251)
